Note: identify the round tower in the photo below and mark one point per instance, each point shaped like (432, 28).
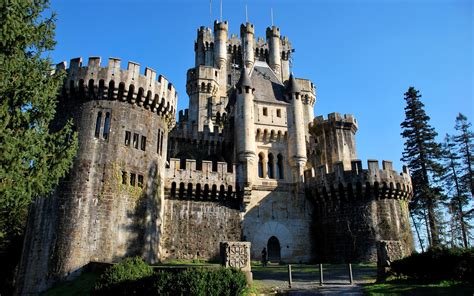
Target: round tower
(356, 208)
(334, 140)
(274, 56)
(296, 126)
(220, 49)
(244, 119)
(248, 44)
(110, 205)
(204, 47)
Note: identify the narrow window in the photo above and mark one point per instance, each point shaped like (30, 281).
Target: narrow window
(128, 137)
(106, 125)
(140, 181)
(158, 142)
(229, 79)
(280, 174)
(265, 111)
(97, 124)
(132, 179)
(161, 143)
(260, 165)
(270, 171)
(135, 141)
(143, 143)
(278, 113)
(124, 177)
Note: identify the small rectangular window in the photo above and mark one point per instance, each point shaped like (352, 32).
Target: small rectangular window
(158, 142)
(98, 123)
(135, 141)
(132, 179)
(140, 181)
(161, 142)
(124, 177)
(143, 143)
(128, 137)
(278, 113)
(106, 126)
(265, 111)
(229, 79)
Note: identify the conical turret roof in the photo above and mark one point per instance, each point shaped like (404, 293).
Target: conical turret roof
(293, 86)
(244, 79)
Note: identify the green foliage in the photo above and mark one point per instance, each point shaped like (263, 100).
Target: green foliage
(437, 265)
(421, 153)
(130, 269)
(192, 281)
(34, 155)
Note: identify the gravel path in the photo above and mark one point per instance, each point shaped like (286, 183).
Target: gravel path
(274, 278)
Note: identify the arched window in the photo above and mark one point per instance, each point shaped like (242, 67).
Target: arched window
(280, 173)
(270, 166)
(260, 165)
(106, 125)
(97, 124)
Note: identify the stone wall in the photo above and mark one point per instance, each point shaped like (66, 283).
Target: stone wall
(193, 229)
(349, 232)
(110, 205)
(281, 213)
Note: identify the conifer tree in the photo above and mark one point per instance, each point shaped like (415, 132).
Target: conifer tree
(33, 156)
(457, 195)
(421, 153)
(465, 145)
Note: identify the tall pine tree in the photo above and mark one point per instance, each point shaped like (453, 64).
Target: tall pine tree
(456, 193)
(32, 157)
(465, 145)
(421, 153)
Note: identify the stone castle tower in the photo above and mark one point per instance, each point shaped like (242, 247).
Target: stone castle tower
(246, 162)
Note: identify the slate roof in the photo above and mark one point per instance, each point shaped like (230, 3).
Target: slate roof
(268, 87)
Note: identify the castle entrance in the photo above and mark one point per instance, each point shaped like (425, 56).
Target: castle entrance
(273, 247)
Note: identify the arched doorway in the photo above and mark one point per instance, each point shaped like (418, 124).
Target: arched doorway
(273, 247)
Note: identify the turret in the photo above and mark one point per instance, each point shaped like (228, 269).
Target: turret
(220, 50)
(273, 40)
(334, 140)
(204, 47)
(244, 129)
(248, 41)
(297, 142)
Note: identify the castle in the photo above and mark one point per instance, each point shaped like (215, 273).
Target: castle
(248, 161)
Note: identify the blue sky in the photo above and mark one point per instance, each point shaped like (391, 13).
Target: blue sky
(361, 54)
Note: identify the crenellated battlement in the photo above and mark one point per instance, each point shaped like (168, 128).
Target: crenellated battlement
(202, 79)
(95, 82)
(344, 121)
(273, 31)
(308, 91)
(211, 181)
(358, 183)
(183, 131)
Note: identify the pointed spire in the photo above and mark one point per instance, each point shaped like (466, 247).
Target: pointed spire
(293, 86)
(244, 79)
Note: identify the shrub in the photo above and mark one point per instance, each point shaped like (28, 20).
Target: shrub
(129, 270)
(437, 265)
(193, 281)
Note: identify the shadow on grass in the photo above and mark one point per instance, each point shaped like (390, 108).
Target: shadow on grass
(81, 286)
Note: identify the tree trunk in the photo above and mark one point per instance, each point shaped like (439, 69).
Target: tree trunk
(417, 232)
(434, 231)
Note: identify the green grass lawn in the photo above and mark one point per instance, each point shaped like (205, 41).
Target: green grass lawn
(81, 286)
(407, 287)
